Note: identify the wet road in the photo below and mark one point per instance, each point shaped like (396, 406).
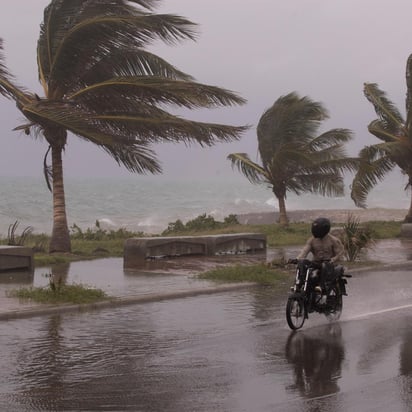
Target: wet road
(223, 352)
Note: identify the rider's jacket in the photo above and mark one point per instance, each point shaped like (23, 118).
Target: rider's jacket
(327, 248)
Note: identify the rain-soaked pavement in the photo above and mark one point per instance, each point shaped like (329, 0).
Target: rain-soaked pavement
(228, 351)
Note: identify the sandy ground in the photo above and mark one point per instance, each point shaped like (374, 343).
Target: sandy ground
(335, 215)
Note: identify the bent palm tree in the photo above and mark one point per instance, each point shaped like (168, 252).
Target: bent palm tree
(395, 148)
(294, 158)
(102, 84)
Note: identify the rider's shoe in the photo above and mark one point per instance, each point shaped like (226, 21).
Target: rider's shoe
(318, 289)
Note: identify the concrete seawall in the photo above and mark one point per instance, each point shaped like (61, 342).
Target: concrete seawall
(138, 250)
(16, 257)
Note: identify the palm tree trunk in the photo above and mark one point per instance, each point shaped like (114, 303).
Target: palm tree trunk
(408, 217)
(283, 217)
(60, 239)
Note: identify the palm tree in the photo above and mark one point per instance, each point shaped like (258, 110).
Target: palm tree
(395, 148)
(102, 84)
(293, 157)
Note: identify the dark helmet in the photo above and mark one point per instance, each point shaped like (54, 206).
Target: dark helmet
(320, 227)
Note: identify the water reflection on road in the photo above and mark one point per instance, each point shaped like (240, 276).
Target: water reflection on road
(224, 352)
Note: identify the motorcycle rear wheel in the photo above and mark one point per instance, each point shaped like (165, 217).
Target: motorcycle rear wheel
(334, 302)
(295, 313)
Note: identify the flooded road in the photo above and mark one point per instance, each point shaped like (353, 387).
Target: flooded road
(226, 352)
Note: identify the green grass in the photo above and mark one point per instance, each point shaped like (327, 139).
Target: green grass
(259, 273)
(295, 233)
(74, 293)
(385, 230)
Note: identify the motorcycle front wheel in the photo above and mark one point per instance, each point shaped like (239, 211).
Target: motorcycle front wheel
(295, 313)
(334, 304)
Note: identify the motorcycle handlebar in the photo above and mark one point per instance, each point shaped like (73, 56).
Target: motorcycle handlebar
(296, 261)
(313, 264)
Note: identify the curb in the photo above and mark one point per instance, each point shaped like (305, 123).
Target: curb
(121, 301)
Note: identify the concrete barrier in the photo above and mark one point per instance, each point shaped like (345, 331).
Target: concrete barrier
(16, 257)
(236, 243)
(137, 250)
(406, 230)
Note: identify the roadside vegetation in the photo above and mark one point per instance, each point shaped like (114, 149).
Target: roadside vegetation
(200, 224)
(92, 243)
(76, 294)
(355, 238)
(60, 292)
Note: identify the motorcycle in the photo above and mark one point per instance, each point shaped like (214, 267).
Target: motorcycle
(306, 296)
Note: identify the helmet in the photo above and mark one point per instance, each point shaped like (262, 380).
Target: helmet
(320, 227)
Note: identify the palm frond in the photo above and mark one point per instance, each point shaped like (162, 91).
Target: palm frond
(147, 4)
(368, 175)
(255, 173)
(135, 158)
(382, 132)
(92, 36)
(384, 108)
(323, 183)
(333, 164)
(293, 152)
(155, 90)
(290, 119)
(120, 128)
(394, 151)
(329, 138)
(122, 63)
(7, 87)
(4, 74)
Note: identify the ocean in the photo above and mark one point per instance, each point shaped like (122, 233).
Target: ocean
(149, 204)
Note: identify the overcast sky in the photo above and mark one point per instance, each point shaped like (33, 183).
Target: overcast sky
(324, 49)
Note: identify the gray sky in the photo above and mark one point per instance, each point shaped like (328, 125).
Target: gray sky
(324, 49)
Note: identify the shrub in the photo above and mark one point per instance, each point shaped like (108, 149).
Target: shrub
(174, 227)
(201, 223)
(97, 233)
(231, 220)
(355, 237)
(16, 240)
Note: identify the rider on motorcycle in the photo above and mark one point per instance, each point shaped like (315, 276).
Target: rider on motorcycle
(324, 247)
